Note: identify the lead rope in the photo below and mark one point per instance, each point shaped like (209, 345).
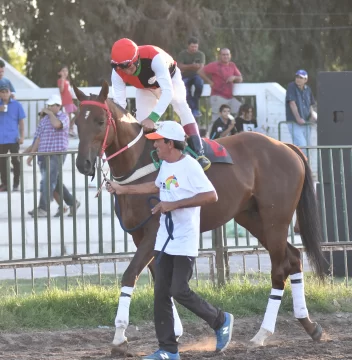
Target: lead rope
(169, 224)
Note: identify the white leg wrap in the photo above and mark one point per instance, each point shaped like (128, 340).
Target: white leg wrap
(122, 316)
(178, 328)
(272, 310)
(299, 300)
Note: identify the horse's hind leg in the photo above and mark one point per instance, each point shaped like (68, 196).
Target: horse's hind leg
(298, 296)
(275, 237)
(272, 235)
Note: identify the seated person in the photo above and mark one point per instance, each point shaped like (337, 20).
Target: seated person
(245, 120)
(224, 125)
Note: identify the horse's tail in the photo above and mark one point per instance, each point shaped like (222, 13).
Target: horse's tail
(308, 215)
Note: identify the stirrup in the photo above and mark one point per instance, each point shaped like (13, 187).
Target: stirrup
(205, 168)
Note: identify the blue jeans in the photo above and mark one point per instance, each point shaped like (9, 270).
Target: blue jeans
(54, 183)
(300, 134)
(193, 100)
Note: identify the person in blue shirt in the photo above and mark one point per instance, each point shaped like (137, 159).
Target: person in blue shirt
(299, 109)
(11, 134)
(2, 72)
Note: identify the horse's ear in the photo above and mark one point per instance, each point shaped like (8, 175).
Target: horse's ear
(103, 95)
(80, 94)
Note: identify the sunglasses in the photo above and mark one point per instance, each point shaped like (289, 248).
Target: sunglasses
(123, 65)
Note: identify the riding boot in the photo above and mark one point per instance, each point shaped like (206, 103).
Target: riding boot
(195, 143)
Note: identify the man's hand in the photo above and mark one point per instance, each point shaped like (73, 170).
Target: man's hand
(29, 160)
(231, 79)
(301, 121)
(163, 207)
(112, 188)
(21, 140)
(2, 107)
(148, 124)
(46, 111)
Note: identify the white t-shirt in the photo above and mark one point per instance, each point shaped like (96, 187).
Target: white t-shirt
(181, 180)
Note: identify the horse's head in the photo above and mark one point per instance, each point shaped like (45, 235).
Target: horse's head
(96, 128)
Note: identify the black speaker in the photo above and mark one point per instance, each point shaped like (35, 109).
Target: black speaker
(335, 129)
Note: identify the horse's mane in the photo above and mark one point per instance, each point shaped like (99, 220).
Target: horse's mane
(113, 106)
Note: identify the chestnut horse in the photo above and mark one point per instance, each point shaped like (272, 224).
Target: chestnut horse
(267, 182)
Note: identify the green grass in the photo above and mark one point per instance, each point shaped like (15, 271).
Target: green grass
(93, 305)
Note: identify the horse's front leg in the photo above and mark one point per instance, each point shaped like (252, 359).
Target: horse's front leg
(142, 257)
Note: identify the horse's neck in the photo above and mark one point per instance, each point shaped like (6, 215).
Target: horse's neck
(126, 161)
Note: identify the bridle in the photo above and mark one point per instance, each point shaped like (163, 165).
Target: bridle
(110, 122)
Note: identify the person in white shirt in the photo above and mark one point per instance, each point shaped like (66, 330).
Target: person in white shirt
(159, 83)
(183, 189)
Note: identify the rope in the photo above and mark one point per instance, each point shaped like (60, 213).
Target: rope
(169, 224)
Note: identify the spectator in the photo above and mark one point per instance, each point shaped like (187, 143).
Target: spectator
(224, 125)
(7, 81)
(11, 134)
(52, 136)
(245, 120)
(299, 109)
(221, 75)
(56, 194)
(190, 61)
(63, 84)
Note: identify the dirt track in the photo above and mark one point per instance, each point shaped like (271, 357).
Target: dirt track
(289, 342)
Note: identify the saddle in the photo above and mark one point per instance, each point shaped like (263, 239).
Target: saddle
(214, 151)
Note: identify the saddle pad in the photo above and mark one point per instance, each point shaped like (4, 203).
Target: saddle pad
(215, 152)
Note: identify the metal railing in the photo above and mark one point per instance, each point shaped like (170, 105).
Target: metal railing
(93, 229)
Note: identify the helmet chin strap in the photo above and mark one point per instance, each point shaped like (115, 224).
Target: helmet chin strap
(138, 65)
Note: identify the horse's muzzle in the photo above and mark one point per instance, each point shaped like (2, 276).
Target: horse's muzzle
(85, 166)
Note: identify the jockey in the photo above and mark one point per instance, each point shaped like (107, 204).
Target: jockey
(158, 81)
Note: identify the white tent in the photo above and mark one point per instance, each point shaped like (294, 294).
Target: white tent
(18, 80)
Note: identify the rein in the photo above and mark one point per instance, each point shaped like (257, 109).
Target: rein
(169, 224)
(110, 120)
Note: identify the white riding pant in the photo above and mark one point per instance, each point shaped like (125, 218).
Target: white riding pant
(146, 99)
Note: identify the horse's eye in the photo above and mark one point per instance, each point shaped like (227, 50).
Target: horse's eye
(100, 121)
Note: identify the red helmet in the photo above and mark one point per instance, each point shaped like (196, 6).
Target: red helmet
(124, 53)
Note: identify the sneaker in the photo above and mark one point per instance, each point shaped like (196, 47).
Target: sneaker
(40, 213)
(16, 188)
(78, 204)
(58, 212)
(162, 354)
(224, 334)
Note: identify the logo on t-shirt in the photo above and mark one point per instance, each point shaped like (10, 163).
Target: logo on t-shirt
(170, 180)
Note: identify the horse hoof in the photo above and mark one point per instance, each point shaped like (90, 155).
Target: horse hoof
(259, 338)
(317, 333)
(120, 350)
